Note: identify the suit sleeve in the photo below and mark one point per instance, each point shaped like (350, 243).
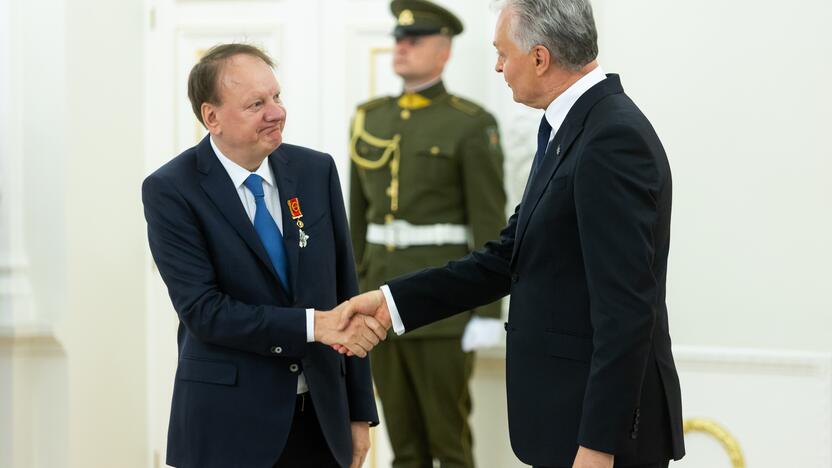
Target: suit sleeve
(616, 183)
(485, 196)
(180, 251)
(480, 278)
(359, 381)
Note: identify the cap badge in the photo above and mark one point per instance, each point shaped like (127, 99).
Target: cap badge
(406, 18)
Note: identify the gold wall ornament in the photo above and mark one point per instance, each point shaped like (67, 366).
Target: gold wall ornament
(375, 52)
(713, 429)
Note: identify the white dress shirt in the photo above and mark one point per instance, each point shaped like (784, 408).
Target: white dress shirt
(555, 114)
(557, 110)
(238, 175)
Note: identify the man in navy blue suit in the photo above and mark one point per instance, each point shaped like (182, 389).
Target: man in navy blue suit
(590, 377)
(251, 239)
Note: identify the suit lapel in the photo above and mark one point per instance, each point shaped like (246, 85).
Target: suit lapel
(558, 151)
(286, 180)
(555, 154)
(220, 189)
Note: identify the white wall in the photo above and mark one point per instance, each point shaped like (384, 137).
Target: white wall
(737, 91)
(104, 326)
(72, 357)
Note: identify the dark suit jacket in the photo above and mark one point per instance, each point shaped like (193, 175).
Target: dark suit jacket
(242, 337)
(588, 359)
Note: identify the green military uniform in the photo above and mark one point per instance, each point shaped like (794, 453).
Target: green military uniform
(426, 188)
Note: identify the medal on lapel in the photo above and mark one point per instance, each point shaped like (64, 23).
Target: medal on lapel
(297, 215)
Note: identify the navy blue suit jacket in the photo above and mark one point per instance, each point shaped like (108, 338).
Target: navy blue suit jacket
(242, 337)
(588, 357)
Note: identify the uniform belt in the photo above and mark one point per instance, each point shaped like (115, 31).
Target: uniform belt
(402, 234)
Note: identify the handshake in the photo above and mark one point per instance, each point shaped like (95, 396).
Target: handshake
(356, 326)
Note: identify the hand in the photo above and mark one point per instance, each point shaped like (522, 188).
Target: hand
(588, 458)
(360, 442)
(370, 305)
(358, 337)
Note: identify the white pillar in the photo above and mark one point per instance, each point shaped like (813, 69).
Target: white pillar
(15, 288)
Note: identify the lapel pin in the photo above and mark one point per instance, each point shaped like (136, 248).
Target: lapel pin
(297, 215)
(557, 152)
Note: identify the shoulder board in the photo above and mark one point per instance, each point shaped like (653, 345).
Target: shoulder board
(373, 103)
(466, 106)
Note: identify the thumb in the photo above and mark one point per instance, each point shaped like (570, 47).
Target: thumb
(346, 311)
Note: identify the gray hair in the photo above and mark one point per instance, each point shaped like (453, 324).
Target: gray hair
(565, 27)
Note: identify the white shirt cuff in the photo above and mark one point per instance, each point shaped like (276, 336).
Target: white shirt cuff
(310, 325)
(398, 326)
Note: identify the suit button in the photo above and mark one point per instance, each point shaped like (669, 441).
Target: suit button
(634, 435)
(293, 368)
(277, 350)
(515, 278)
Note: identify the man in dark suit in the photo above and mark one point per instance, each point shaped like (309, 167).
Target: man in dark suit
(251, 239)
(590, 376)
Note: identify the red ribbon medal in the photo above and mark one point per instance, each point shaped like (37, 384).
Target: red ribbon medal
(294, 210)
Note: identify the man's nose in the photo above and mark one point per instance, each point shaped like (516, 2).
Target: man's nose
(275, 111)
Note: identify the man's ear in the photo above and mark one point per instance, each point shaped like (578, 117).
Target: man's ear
(542, 59)
(209, 118)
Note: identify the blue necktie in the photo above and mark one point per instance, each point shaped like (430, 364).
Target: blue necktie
(543, 134)
(267, 230)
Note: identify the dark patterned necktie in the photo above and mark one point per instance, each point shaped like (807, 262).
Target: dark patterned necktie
(543, 134)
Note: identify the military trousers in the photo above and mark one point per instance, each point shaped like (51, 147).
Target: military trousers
(423, 387)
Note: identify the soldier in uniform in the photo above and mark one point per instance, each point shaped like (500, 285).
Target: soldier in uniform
(426, 188)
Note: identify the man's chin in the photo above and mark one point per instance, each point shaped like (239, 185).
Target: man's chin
(269, 144)
(274, 136)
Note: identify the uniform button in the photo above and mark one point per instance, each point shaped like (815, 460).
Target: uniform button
(634, 435)
(294, 368)
(277, 349)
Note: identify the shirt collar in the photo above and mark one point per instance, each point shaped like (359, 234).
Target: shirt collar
(557, 110)
(426, 85)
(238, 173)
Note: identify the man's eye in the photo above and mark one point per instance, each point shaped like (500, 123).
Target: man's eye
(257, 104)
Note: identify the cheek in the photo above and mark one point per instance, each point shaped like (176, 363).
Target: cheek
(508, 71)
(514, 74)
(424, 58)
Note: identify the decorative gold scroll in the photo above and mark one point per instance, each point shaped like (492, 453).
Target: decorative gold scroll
(713, 429)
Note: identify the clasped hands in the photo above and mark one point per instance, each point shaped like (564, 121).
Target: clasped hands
(356, 326)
